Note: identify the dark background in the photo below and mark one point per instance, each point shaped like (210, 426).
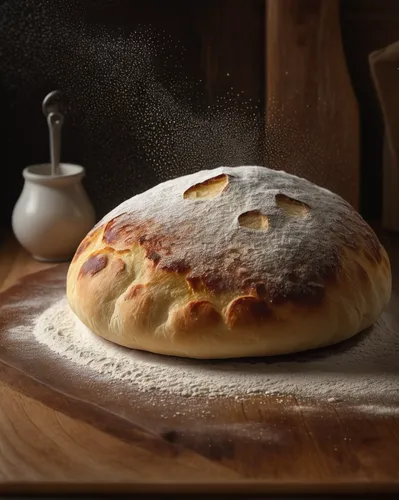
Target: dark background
(155, 89)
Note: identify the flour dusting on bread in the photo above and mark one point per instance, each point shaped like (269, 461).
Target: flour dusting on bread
(235, 261)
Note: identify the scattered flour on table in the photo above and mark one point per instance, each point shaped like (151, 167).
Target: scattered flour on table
(365, 367)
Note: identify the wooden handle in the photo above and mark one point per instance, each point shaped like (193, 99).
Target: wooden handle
(384, 66)
(312, 124)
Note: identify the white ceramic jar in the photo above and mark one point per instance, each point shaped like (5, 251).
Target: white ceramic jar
(53, 213)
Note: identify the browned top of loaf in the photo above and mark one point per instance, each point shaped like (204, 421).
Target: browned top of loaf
(246, 229)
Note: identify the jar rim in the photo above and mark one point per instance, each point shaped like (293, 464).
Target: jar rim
(42, 171)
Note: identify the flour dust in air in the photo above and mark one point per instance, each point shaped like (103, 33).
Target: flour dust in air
(134, 116)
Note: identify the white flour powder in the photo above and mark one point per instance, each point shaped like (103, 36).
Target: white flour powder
(364, 367)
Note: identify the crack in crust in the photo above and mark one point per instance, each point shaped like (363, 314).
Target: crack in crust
(208, 189)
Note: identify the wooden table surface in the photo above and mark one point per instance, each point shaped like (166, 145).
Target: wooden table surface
(42, 449)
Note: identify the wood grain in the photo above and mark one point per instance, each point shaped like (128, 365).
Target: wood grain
(49, 431)
(311, 111)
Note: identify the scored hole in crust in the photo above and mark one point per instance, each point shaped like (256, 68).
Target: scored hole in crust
(208, 189)
(254, 219)
(292, 207)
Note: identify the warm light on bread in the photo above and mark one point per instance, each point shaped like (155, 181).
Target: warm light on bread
(231, 262)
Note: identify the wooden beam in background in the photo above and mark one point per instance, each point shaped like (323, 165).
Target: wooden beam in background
(312, 121)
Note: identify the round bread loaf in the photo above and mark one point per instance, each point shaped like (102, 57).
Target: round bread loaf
(231, 262)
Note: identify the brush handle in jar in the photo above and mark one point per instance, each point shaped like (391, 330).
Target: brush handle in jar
(55, 121)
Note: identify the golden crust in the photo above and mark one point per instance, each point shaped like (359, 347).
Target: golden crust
(127, 285)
